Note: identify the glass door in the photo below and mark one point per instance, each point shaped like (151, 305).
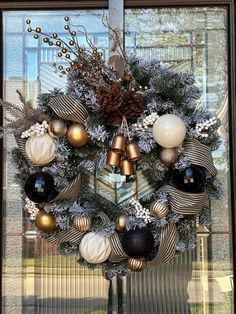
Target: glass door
(36, 279)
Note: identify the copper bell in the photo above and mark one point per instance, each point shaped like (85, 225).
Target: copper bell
(126, 167)
(113, 158)
(118, 143)
(132, 151)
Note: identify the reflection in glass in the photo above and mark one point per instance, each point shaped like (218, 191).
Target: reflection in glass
(195, 40)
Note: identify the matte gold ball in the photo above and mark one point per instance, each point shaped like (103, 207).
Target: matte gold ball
(76, 135)
(159, 209)
(121, 222)
(82, 224)
(137, 264)
(168, 156)
(57, 128)
(45, 221)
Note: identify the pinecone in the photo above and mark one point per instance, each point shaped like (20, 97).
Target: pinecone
(113, 118)
(109, 97)
(132, 107)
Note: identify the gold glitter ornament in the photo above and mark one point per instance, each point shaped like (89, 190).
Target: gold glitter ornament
(45, 221)
(159, 209)
(137, 264)
(57, 128)
(168, 156)
(82, 224)
(77, 135)
(121, 222)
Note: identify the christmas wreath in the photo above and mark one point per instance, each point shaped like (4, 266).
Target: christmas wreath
(141, 118)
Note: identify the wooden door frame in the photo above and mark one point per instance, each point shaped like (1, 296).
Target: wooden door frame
(96, 4)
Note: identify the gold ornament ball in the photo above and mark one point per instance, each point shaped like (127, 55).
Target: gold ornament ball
(82, 224)
(76, 135)
(57, 128)
(137, 264)
(45, 221)
(168, 156)
(121, 222)
(159, 209)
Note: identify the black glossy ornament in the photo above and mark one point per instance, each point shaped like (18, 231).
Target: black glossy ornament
(191, 179)
(138, 243)
(40, 188)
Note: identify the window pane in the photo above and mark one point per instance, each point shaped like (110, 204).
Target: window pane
(190, 39)
(36, 278)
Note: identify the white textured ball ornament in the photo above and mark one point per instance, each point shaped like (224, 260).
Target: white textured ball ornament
(95, 248)
(40, 149)
(169, 131)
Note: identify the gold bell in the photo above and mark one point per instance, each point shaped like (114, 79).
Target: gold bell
(126, 167)
(113, 158)
(118, 143)
(132, 151)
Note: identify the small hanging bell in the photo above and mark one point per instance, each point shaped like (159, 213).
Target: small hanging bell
(126, 168)
(113, 158)
(132, 151)
(118, 143)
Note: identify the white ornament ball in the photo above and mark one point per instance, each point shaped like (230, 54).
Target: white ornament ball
(40, 149)
(169, 131)
(95, 248)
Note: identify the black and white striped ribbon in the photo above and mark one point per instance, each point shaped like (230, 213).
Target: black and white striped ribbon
(182, 202)
(21, 145)
(70, 235)
(167, 248)
(200, 155)
(68, 108)
(117, 252)
(71, 191)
